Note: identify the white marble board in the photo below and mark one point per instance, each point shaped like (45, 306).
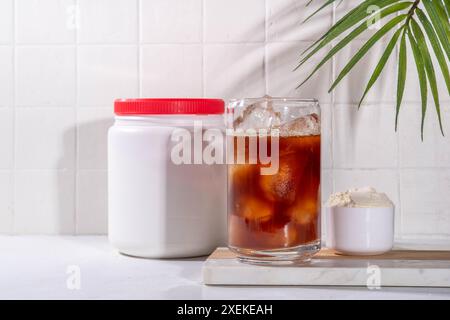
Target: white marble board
(403, 268)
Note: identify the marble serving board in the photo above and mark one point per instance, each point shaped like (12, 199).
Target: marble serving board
(397, 268)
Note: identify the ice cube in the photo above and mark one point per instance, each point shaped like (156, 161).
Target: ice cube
(259, 115)
(304, 210)
(283, 237)
(281, 186)
(250, 234)
(253, 210)
(237, 232)
(290, 232)
(307, 125)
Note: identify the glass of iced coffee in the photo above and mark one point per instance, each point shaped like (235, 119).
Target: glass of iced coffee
(273, 154)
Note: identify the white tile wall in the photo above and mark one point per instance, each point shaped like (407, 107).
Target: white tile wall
(6, 21)
(92, 127)
(7, 67)
(234, 20)
(6, 201)
(167, 21)
(108, 21)
(91, 202)
(106, 73)
(44, 21)
(44, 138)
(63, 62)
(326, 138)
(364, 138)
(434, 149)
(172, 70)
(284, 19)
(44, 202)
(326, 190)
(282, 58)
(225, 63)
(7, 138)
(45, 76)
(424, 201)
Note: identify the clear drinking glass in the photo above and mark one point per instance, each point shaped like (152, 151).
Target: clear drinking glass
(274, 179)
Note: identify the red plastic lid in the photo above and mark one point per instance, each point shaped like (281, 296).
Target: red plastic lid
(168, 106)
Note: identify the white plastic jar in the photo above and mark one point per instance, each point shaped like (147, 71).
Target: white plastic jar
(159, 208)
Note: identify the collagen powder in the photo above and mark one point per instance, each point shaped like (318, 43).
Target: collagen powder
(366, 197)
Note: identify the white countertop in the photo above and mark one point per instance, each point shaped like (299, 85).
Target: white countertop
(35, 267)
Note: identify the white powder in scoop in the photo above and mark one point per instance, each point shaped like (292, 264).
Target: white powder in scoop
(366, 197)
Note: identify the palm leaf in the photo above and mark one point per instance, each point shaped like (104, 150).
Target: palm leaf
(326, 4)
(365, 48)
(429, 69)
(436, 46)
(355, 33)
(438, 25)
(422, 77)
(434, 31)
(360, 13)
(332, 28)
(381, 64)
(402, 66)
(447, 6)
(443, 16)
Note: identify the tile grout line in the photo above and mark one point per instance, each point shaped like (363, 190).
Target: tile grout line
(156, 43)
(331, 105)
(139, 51)
(132, 44)
(75, 178)
(266, 60)
(333, 101)
(13, 191)
(399, 179)
(203, 48)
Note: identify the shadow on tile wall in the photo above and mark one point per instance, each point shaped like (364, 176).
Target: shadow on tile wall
(286, 17)
(88, 204)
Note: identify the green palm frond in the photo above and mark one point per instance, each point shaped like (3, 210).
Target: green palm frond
(381, 64)
(401, 80)
(424, 24)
